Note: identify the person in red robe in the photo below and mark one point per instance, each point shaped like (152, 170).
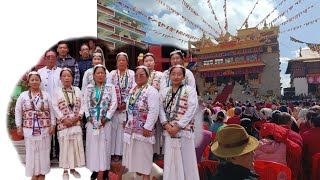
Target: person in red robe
(311, 144)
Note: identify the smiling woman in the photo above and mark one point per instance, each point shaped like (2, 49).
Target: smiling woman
(35, 121)
(143, 110)
(68, 106)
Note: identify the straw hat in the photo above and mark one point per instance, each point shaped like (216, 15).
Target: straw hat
(233, 140)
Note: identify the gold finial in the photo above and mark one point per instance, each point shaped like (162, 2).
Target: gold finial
(265, 24)
(140, 57)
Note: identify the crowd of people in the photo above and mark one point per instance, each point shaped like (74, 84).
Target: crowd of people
(285, 132)
(126, 115)
(92, 116)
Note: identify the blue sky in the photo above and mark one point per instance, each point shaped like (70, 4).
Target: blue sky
(237, 12)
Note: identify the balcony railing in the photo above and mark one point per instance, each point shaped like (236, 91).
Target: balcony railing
(116, 37)
(106, 26)
(258, 61)
(106, 10)
(126, 26)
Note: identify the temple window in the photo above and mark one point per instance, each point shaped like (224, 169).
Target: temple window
(218, 61)
(208, 62)
(253, 76)
(252, 57)
(229, 60)
(239, 59)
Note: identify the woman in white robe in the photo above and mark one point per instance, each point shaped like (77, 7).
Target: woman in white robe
(176, 58)
(68, 107)
(97, 58)
(35, 121)
(178, 105)
(143, 110)
(123, 80)
(155, 81)
(100, 102)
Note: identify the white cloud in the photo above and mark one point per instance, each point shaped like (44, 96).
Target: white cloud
(284, 59)
(296, 53)
(235, 15)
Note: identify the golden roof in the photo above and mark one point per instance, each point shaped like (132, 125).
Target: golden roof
(245, 38)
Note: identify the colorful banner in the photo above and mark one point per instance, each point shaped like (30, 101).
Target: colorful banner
(314, 47)
(225, 15)
(166, 36)
(271, 12)
(297, 15)
(160, 24)
(196, 14)
(249, 14)
(286, 11)
(296, 40)
(184, 18)
(305, 24)
(214, 15)
(313, 79)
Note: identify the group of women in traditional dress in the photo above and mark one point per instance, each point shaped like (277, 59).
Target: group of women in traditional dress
(127, 113)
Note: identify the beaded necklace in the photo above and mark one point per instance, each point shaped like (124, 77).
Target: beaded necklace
(95, 101)
(67, 99)
(134, 97)
(170, 103)
(153, 75)
(120, 79)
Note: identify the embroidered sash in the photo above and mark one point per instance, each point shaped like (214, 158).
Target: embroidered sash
(178, 107)
(154, 79)
(137, 113)
(67, 112)
(98, 107)
(29, 114)
(122, 85)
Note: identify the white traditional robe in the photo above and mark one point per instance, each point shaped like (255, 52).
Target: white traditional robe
(88, 78)
(122, 86)
(189, 79)
(37, 146)
(155, 81)
(142, 114)
(98, 137)
(70, 139)
(50, 79)
(179, 155)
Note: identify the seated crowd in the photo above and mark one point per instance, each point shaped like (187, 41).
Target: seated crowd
(283, 132)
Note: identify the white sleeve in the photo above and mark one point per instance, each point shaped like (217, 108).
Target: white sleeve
(133, 81)
(59, 80)
(191, 80)
(85, 102)
(153, 109)
(53, 118)
(84, 81)
(79, 94)
(19, 111)
(109, 78)
(162, 114)
(114, 103)
(57, 112)
(163, 80)
(192, 108)
(107, 73)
